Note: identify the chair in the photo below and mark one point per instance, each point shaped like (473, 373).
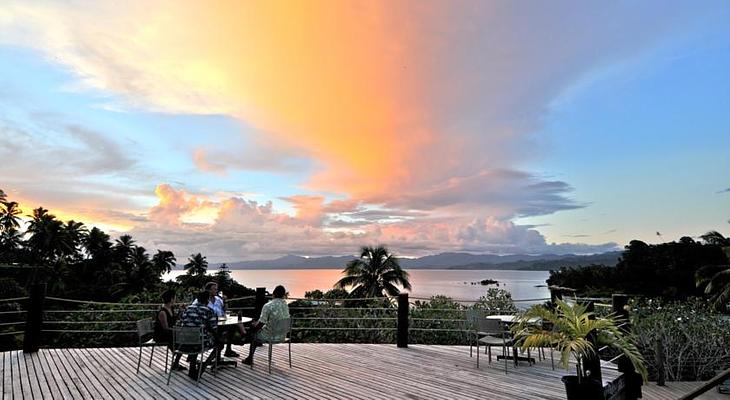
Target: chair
(190, 340)
(145, 330)
(278, 328)
(495, 334)
(548, 326)
(472, 319)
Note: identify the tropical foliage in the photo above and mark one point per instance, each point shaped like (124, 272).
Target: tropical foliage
(666, 270)
(693, 338)
(496, 301)
(375, 274)
(568, 327)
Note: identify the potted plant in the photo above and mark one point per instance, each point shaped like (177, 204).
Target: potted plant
(572, 331)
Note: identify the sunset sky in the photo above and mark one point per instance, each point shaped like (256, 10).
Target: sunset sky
(250, 130)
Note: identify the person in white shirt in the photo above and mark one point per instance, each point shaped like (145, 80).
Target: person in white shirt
(217, 304)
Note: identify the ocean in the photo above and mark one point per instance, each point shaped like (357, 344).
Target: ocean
(458, 284)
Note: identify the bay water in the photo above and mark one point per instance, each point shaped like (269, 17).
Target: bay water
(458, 284)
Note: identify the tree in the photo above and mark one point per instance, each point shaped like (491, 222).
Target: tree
(47, 240)
(9, 216)
(163, 261)
(497, 301)
(3, 196)
(375, 273)
(197, 265)
(716, 238)
(123, 248)
(74, 234)
(97, 244)
(714, 280)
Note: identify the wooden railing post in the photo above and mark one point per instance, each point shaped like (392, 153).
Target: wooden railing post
(403, 320)
(618, 305)
(592, 366)
(260, 301)
(633, 379)
(659, 358)
(34, 318)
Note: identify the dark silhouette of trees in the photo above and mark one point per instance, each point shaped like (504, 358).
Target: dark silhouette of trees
(666, 270)
(197, 265)
(163, 261)
(375, 274)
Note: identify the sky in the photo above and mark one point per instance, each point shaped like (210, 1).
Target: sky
(251, 130)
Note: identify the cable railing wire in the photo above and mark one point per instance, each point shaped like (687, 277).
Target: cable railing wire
(14, 299)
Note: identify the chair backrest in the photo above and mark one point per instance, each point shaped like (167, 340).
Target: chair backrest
(145, 327)
(474, 315)
(279, 327)
(187, 335)
(491, 326)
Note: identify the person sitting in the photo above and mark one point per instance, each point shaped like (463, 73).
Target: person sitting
(198, 314)
(274, 310)
(217, 305)
(164, 320)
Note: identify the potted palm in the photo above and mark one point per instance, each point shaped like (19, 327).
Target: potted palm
(572, 330)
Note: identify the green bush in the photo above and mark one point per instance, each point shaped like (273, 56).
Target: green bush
(696, 340)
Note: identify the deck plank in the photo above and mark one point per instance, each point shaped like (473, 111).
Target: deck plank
(319, 371)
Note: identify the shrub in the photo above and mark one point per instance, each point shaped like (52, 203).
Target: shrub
(694, 337)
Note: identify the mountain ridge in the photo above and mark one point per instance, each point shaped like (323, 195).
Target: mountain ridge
(447, 260)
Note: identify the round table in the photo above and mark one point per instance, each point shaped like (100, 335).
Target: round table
(233, 320)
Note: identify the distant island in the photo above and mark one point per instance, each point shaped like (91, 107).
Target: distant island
(456, 261)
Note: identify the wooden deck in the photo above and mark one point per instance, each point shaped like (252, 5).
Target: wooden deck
(320, 371)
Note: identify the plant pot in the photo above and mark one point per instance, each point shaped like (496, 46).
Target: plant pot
(586, 389)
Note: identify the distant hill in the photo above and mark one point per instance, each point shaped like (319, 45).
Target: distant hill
(544, 262)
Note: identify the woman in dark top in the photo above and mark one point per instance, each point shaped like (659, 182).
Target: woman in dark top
(165, 319)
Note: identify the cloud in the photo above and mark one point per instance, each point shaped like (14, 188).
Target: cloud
(246, 229)
(723, 191)
(382, 105)
(417, 116)
(255, 156)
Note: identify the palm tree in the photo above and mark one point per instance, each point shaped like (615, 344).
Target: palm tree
(376, 272)
(716, 238)
(3, 196)
(163, 261)
(569, 332)
(123, 248)
(74, 233)
(47, 239)
(96, 243)
(197, 265)
(10, 240)
(9, 216)
(714, 280)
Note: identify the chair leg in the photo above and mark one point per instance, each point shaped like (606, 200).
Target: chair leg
(477, 353)
(289, 353)
(471, 344)
(200, 366)
(139, 359)
(489, 348)
(270, 346)
(152, 353)
(552, 360)
(169, 373)
(167, 354)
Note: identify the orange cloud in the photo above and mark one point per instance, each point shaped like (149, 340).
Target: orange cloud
(341, 80)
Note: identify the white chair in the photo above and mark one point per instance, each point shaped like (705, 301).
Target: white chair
(191, 341)
(280, 328)
(145, 330)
